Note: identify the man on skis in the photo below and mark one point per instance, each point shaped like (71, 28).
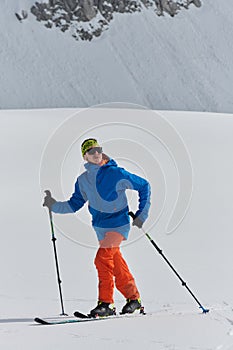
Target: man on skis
(103, 186)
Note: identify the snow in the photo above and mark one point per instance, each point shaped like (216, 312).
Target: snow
(200, 247)
(180, 63)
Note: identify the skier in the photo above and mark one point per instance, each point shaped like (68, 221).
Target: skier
(103, 185)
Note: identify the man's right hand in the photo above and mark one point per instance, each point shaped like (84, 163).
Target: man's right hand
(137, 222)
(48, 200)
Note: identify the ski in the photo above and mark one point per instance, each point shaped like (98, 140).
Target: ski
(80, 317)
(45, 321)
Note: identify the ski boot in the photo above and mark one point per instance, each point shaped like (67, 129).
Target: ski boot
(103, 309)
(131, 306)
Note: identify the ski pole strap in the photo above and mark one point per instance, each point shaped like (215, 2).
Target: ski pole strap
(133, 216)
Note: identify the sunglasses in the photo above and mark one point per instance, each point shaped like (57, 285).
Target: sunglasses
(92, 151)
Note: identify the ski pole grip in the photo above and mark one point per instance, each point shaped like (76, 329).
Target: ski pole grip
(133, 216)
(48, 194)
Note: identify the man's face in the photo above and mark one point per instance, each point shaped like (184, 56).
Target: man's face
(94, 155)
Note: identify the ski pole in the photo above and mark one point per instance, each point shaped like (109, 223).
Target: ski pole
(48, 193)
(204, 310)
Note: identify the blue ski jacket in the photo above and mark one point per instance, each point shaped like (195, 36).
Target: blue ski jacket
(104, 187)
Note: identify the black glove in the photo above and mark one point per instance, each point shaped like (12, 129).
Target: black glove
(48, 200)
(137, 222)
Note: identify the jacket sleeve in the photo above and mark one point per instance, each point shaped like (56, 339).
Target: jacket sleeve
(137, 183)
(76, 202)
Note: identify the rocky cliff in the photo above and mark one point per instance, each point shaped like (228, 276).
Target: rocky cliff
(87, 19)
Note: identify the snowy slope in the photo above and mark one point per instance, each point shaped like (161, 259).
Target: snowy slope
(200, 248)
(179, 63)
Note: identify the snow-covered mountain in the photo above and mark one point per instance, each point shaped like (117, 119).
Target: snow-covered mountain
(200, 249)
(87, 19)
(160, 62)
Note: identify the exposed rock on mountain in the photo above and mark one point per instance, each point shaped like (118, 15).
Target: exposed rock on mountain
(86, 19)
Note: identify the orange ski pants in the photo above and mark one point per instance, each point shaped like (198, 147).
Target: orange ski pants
(112, 268)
